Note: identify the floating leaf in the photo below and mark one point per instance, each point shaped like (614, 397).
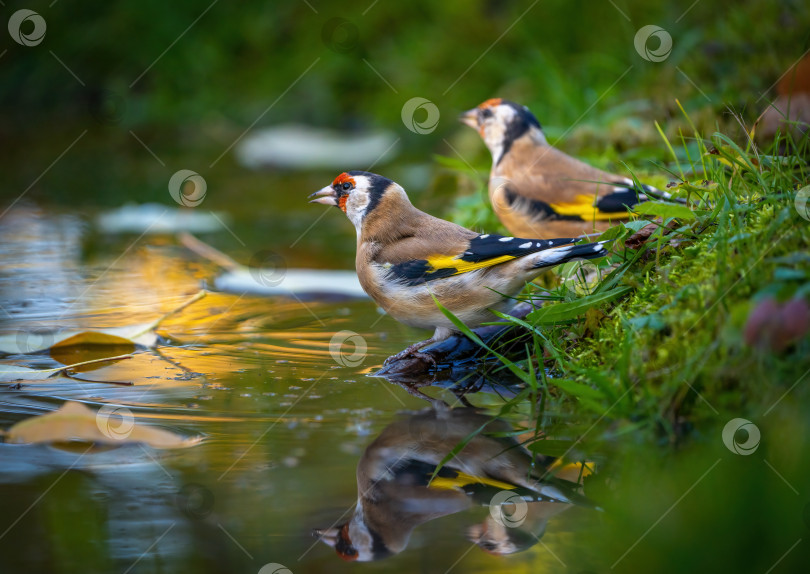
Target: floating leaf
(664, 210)
(142, 334)
(109, 425)
(13, 373)
(571, 310)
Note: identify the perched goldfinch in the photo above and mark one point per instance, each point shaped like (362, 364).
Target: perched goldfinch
(538, 191)
(396, 493)
(405, 257)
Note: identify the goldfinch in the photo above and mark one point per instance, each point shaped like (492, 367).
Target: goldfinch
(538, 191)
(406, 257)
(397, 491)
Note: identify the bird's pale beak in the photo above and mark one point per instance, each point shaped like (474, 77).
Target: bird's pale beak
(470, 117)
(326, 535)
(326, 196)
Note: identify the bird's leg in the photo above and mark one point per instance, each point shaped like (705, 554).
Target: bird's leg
(440, 334)
(413, 351)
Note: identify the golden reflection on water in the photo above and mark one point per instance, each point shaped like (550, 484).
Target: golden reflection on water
(284, 423)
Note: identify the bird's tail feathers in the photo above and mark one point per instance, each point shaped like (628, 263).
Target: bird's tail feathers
(558, 255)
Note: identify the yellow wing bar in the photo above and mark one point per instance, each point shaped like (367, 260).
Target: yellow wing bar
(439, 262)
(584, 208)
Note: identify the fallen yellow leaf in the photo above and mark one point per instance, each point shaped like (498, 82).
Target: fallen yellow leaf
(111, 425)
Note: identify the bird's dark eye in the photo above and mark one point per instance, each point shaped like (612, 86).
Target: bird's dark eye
(486, 113)
(346, 186)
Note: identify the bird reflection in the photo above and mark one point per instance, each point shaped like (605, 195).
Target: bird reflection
(397, 489)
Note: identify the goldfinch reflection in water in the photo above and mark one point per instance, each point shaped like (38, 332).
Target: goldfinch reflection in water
(396, 493)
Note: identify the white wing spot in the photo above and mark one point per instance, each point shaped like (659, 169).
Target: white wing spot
(525, 245)
(483, 236)
(505, 239)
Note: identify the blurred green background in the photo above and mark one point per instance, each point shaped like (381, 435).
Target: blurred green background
(188, 79)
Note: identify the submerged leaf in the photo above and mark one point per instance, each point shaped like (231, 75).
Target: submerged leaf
(109, 425)
(142, 334)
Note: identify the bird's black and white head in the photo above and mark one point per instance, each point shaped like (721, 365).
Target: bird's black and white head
(500, 123)
(354, 541)
(359, 194)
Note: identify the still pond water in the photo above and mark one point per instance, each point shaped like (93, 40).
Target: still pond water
(285, 423)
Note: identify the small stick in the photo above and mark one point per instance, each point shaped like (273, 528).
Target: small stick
(207, 252)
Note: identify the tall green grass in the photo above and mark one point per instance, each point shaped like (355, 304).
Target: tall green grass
(651, 338)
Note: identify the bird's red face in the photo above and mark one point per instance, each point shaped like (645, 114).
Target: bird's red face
(336, 194)
(500, 122)
(343, 184)
(476, 116)
(356, 193)
(338, 538)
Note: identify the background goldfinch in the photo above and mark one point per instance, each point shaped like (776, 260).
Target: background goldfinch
(396, 493)
(405, 257)
(538, 191)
